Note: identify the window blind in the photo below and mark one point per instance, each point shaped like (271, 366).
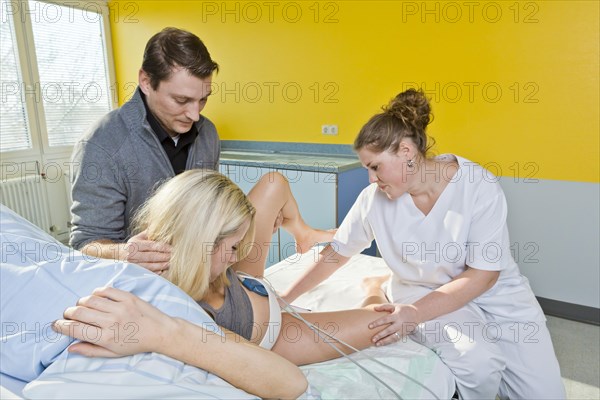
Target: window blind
(73, 75)
(14, 128)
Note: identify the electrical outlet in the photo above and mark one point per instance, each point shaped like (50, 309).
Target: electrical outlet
(329, 129)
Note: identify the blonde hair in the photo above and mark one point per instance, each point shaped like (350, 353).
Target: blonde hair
(194, 212)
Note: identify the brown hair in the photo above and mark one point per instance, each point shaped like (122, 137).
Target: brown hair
(174, 47)
(406, 116)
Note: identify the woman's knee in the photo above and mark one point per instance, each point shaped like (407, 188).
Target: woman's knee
(270, 190)
(482, 365)
(477, 369)
(474, 360)
(273, 180)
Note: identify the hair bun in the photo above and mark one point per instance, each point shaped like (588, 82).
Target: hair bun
(412, 107)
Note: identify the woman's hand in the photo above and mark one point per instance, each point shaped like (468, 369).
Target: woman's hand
(114, 323)
(402, 320)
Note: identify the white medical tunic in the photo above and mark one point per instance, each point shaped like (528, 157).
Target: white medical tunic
(466, 227)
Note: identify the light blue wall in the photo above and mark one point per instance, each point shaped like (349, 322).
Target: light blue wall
(555, 230)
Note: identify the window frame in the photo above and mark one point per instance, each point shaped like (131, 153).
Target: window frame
(40, 149)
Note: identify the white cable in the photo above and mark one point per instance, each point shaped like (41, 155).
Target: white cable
(319, 332)
(298, 316)
(290, 309)
(367, 356)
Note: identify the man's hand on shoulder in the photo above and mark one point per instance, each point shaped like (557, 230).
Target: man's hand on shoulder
(154, 256)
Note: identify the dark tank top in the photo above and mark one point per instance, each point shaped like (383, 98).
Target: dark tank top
(236, 312)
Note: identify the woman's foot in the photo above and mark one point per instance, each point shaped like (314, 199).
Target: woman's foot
(374, 292)
(312, 237)
(373, 284)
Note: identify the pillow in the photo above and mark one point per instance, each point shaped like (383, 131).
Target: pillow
(40, 278)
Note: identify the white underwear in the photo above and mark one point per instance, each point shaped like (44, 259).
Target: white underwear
(274, 325)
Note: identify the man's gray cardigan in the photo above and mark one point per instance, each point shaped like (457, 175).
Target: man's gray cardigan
(117, 166)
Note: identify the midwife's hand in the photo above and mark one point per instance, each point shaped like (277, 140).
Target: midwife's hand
(114, 323)
(154, 256)
(402, 320)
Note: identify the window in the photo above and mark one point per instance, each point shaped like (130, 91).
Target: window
(56, 73)
(14, 129)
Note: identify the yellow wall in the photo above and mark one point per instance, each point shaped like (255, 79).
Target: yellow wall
(514, 85)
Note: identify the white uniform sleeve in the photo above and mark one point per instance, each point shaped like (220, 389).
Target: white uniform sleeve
(488, 245)
(355, 233)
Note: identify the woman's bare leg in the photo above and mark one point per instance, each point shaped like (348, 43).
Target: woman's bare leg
(299, 344)
(272, 198)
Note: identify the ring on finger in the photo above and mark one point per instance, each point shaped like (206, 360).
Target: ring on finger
(397, 335)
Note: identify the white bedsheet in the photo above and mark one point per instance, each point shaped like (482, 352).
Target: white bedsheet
(340, 378)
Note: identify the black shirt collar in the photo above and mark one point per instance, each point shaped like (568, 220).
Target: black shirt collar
(177, 153)
(161, 133)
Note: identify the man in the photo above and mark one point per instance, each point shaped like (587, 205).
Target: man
(152, 137)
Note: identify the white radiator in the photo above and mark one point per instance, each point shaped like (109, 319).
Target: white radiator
(27, 197)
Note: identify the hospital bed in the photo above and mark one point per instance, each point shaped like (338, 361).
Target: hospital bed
(40, 277)
(341, 378)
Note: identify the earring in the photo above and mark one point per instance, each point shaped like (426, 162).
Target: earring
(410, 163)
